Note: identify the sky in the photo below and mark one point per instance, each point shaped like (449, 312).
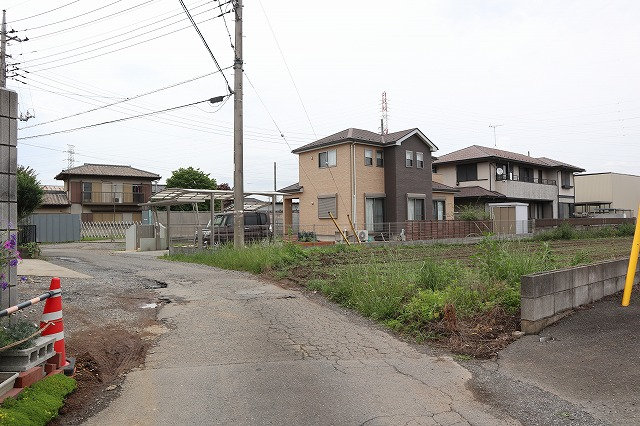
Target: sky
(558, 78)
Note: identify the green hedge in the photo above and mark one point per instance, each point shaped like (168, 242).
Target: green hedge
(39, 403)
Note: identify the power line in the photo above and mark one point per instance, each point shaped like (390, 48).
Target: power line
(73, 17)
(117, 30)
(287, 66)
(212, 100)
(204, 127)
(93, 21)
(164, 26)
(280, 131)
(227, 28)
(45, 12)
(195, 26)
(112, 51)
(124, 100)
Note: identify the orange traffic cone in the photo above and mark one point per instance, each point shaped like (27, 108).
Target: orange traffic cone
(53, 314)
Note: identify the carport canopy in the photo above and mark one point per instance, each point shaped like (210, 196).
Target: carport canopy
(177, 196)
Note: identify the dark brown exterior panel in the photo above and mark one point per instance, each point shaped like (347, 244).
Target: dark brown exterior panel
(76, 192)
(400, 180)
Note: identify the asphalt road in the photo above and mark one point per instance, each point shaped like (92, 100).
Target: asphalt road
(235, 350)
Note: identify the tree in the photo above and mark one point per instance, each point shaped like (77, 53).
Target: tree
(190, 178)
(30, 193)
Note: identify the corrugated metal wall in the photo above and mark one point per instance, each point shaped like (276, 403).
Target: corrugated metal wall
(56, 228)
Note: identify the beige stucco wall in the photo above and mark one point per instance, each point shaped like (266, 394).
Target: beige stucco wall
(623, 191)
(331, 180)
(447, 173)
(448, 203)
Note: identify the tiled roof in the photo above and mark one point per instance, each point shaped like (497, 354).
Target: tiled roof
(107, 170)
(440, 187)
(477, 192)
(364, 136)
(54, 195)
(293, 188)
(477, 152)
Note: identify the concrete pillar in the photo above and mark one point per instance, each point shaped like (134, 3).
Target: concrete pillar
(287, 212)
(8, 185)
(168, 228)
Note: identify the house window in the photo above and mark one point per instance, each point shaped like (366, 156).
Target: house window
(138, 196)
(526, 174)
(502, 172)
(327, 158)
(466, 172)
(368, 157)
(439, 209)
(419, 160)
(327, 204)
(434, 168)
(408, 158)
(566, 180)
(86, 191)
(415, 209)
(374, 214)
(379, 158)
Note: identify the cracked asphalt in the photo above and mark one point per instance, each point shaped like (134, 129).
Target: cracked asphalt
(236, 350)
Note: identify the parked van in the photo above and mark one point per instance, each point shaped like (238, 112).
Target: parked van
(256, 227)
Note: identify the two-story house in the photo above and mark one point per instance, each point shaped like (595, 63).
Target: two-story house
(373, 178)
(485, 175)
(103, 192)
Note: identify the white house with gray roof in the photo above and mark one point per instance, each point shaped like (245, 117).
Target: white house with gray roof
(485, 175)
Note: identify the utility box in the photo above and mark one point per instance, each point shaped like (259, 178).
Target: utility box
(510, 218)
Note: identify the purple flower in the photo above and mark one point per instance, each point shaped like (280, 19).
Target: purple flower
(4, 285)
(13, 262)
(23, 278)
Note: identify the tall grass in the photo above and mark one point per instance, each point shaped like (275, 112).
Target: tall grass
(567, 232)
(254, 258)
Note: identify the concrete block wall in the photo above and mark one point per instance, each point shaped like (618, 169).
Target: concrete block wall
(8, 185)
(548, 296)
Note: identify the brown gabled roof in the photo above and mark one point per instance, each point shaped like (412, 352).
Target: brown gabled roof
(111, 170)
(440, 187)
(365, 136)
(477, 192)
(477, 152)
(54, 195)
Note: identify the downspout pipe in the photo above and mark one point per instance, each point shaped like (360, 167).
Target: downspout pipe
(354, 197)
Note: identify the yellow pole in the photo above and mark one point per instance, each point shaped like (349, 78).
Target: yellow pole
(353, 229)
(633, 263)
(339, 230)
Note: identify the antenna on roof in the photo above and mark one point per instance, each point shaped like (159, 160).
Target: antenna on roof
(384, 119)
(495, 139)
(71, 152)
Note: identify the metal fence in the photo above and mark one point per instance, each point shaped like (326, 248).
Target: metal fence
(106, 229)
(27, 234)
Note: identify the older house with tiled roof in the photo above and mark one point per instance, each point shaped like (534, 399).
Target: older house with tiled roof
(104, 192)
(373, 178)
(485, 175)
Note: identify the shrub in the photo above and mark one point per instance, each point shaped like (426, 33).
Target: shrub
(472, 213)
(15, 332)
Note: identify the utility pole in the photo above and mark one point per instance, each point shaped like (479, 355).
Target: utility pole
(495, 139)
(273, 202)
(3, 51)
(238, 175)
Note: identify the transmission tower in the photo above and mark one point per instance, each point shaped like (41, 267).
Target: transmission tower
(384, 118)
(71, 151)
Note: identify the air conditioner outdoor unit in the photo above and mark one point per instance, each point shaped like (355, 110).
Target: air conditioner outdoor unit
(363, 235)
